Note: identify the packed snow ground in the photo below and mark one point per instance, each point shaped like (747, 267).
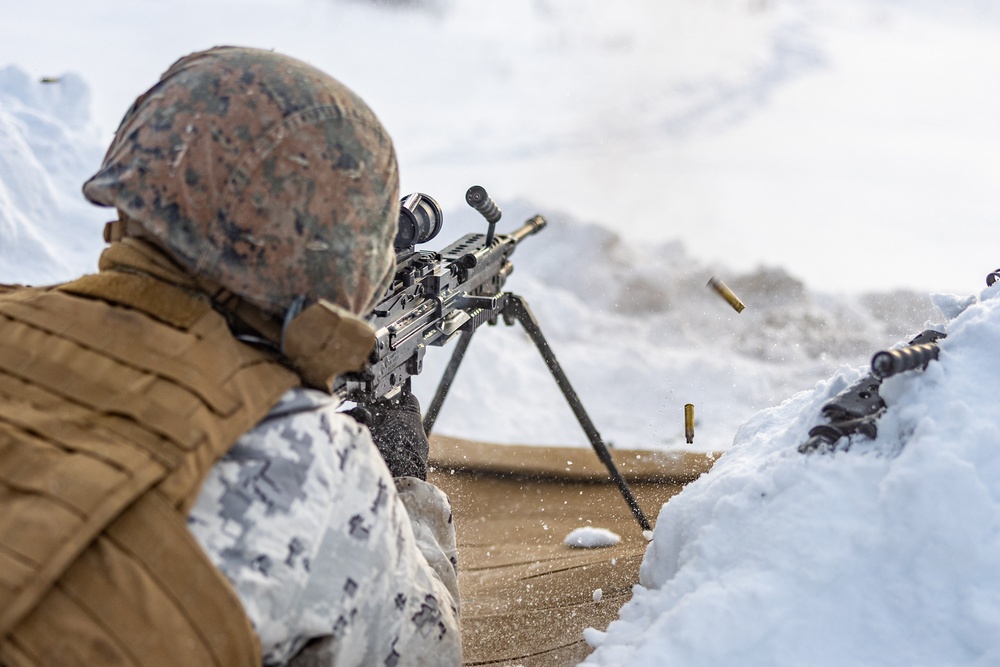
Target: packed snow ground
(746, 131)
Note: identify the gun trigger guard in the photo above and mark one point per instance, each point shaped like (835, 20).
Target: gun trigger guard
(324, 341)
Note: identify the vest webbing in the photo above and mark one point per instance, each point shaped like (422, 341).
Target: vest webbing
(118, 392)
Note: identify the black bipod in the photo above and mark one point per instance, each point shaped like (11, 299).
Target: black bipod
(517, 309)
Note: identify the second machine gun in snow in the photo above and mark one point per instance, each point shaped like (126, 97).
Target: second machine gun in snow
(856, 409)
(439, 296)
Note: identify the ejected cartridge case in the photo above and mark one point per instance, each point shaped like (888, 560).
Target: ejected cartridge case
(689, 423)
(726, 293)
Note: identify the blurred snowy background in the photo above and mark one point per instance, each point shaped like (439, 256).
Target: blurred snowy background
(853, 143)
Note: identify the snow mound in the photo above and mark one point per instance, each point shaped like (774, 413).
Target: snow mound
(589, 537)
(885, 554)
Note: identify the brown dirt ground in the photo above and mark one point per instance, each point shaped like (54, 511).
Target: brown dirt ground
(526, 597)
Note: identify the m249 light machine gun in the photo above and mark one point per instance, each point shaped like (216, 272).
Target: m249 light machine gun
(437, 297)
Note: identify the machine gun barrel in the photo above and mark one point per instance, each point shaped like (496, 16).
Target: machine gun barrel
(890, 362)
(532, 226)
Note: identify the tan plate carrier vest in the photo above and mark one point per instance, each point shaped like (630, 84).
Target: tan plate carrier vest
(117, 394)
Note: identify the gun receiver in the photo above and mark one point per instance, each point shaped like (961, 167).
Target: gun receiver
(436, 297)
(432, 299)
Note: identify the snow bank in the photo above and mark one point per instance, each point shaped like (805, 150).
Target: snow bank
(886, 554)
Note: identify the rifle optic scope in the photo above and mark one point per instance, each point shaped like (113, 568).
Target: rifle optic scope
(420, 220)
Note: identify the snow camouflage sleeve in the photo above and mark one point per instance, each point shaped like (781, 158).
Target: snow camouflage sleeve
(322, 544)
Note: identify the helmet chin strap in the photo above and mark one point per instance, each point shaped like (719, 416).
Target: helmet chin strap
(293, 311)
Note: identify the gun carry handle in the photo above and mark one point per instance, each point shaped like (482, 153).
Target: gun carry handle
(478, 199)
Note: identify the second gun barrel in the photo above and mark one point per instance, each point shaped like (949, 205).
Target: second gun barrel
(890, 362)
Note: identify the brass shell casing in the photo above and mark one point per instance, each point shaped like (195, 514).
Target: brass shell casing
(726, 293)
(689, 423)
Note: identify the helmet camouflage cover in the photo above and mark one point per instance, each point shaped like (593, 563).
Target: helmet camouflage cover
(262, 174)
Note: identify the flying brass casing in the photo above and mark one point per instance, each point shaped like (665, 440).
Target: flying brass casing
(689, 423)
(726, 293)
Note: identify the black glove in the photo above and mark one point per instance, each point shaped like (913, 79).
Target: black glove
(398, 432)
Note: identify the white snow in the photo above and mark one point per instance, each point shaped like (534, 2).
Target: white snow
(884, 555)
(834, 163)
(591, 537)
(47, 145)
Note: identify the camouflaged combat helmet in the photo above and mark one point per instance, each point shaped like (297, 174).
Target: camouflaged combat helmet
(261, 174)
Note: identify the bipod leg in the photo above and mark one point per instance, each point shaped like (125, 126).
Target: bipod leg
(449, 376)
(519, 309)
